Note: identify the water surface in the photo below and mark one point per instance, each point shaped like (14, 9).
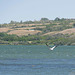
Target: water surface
(36, 60)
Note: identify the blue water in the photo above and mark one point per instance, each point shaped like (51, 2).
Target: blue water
(36, 60)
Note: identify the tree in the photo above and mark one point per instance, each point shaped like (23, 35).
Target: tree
(10, 37)
(12, 22)
(3, 34)
(44, 19)
(21, 22)
(57, 19)
(74, 25)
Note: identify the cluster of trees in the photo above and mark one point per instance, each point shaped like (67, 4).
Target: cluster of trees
(30, 22)
(42, 20)
(62, 21)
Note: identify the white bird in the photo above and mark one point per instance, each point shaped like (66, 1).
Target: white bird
(51, 48)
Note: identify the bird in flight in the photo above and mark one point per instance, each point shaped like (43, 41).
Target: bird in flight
(51, 48)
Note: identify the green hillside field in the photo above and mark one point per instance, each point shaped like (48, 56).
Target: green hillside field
(57, 31)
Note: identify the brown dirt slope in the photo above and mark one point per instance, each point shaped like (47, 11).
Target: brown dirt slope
(67, 31)
(24, 32)
(5, 29)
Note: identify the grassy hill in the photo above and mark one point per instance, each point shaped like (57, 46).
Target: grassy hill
(58, 31)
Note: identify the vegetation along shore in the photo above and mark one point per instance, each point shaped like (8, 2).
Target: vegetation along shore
(57, 31)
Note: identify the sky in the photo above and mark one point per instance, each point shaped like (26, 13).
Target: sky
(27, 10)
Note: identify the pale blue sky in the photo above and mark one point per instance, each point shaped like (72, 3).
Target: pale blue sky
(24, 10)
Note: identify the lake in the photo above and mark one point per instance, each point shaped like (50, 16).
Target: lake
(36, 60)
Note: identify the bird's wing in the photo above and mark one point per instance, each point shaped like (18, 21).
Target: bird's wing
(51, 48)
(54, 47)
(47, 45)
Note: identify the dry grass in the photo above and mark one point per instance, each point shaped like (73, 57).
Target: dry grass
(33, 24)
(5, 29)
(29, 25)
(30, 30)
(24, 32)
(40, 26)
(26, 28)
(67, 31)
(20, 31)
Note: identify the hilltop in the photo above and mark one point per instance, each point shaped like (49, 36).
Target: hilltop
(38, 32)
